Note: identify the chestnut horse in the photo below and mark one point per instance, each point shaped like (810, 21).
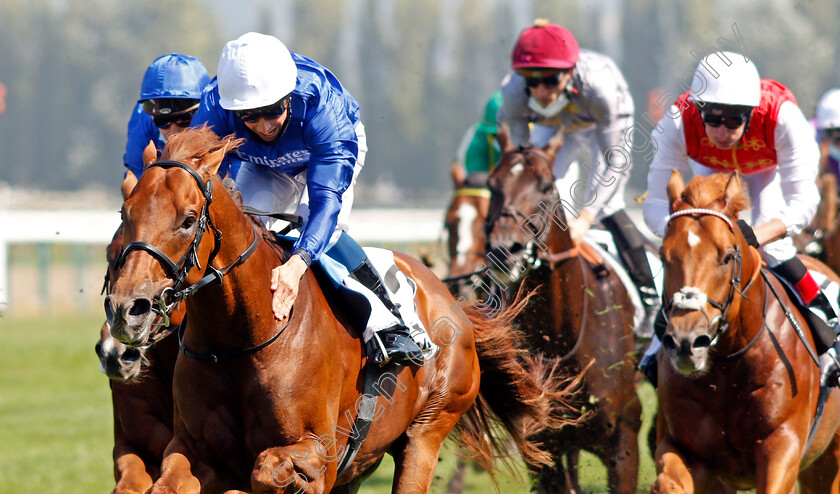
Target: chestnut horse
(464, 224)
(269, 406)
(738, 400)
(141, 394)
(580, 315)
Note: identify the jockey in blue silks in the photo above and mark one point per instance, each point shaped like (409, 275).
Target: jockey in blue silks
(304, 146)
(169, 97)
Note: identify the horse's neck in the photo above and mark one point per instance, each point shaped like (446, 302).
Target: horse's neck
(243, 298)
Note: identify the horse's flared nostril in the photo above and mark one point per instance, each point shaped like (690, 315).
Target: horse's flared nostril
(669, 342)
(140, 307)
(98, 348)
(131, 354)
(516, 247)
(109, 310)
(702, 341)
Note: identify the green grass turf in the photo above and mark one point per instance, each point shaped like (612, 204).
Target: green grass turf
(56, 433)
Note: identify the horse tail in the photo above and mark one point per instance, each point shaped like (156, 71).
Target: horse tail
(517, 392)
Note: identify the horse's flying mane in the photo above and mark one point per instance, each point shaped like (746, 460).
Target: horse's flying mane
(710, 192)
(195, 143)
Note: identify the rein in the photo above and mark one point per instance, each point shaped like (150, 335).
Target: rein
(177, 271)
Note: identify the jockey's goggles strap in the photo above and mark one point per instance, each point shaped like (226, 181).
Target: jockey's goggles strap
(701, 212)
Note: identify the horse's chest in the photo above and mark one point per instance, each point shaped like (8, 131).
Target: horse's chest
(724, 427)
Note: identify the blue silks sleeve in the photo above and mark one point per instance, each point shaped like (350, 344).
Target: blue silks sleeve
(141, 130)
(331, 137)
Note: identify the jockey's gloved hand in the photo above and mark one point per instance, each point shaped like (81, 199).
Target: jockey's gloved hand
(748, 232)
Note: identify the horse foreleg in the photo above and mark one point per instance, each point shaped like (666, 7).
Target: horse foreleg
(777, 464)
(176, 477)
(416, 460)
(623, 463)
(181, 472)
(675, 475)
(300, 467)
(130, 473)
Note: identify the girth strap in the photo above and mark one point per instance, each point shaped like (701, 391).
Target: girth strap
(361, 426)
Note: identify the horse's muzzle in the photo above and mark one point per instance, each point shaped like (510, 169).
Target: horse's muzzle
(130, 320)
(688, 352)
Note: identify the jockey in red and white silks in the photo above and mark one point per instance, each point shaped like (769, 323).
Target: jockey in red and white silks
(777, 157)
(732, 120)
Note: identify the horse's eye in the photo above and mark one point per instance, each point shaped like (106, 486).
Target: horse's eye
(189, 221)
(727, 258)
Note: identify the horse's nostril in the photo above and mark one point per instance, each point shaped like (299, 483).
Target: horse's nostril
(98, 348)
(516, 247)
(109, 310)
(130, 354)
(702, 341)
(140, 306)
(669, 342)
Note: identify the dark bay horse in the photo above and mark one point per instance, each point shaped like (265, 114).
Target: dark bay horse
(581, 315)
(268, 406)
(464, 224)
(738, 399)
(141, 395)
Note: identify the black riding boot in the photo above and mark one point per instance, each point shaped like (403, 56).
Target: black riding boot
(820, 315)
(631, 248)
(649, 364)
(394, 343)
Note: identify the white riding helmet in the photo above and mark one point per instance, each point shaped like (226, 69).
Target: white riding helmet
(735, 84)
(828, 110)
(255, 70)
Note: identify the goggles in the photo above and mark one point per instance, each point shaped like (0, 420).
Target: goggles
(832, 133)
(715, 117)
(181, 120)
(269, 112)
(549, 80)
(169, 106)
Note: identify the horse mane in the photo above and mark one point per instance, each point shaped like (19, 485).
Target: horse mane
(195, 143)
(710, 193)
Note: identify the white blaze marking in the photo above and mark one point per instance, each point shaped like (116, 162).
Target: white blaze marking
(466, 214)
(689, 298)
(693, 239)
(517, 169)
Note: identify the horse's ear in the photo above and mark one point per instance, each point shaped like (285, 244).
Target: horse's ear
(209, 164)
(676, 185)
(503, 136)
(149, 155)
(555, 143)
(734, 200)
(128, 184)
(733, 187)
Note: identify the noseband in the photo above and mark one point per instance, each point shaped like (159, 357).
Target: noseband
(177, 271)
(694, 299)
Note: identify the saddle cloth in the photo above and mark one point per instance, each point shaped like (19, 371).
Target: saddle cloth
(602, 242)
